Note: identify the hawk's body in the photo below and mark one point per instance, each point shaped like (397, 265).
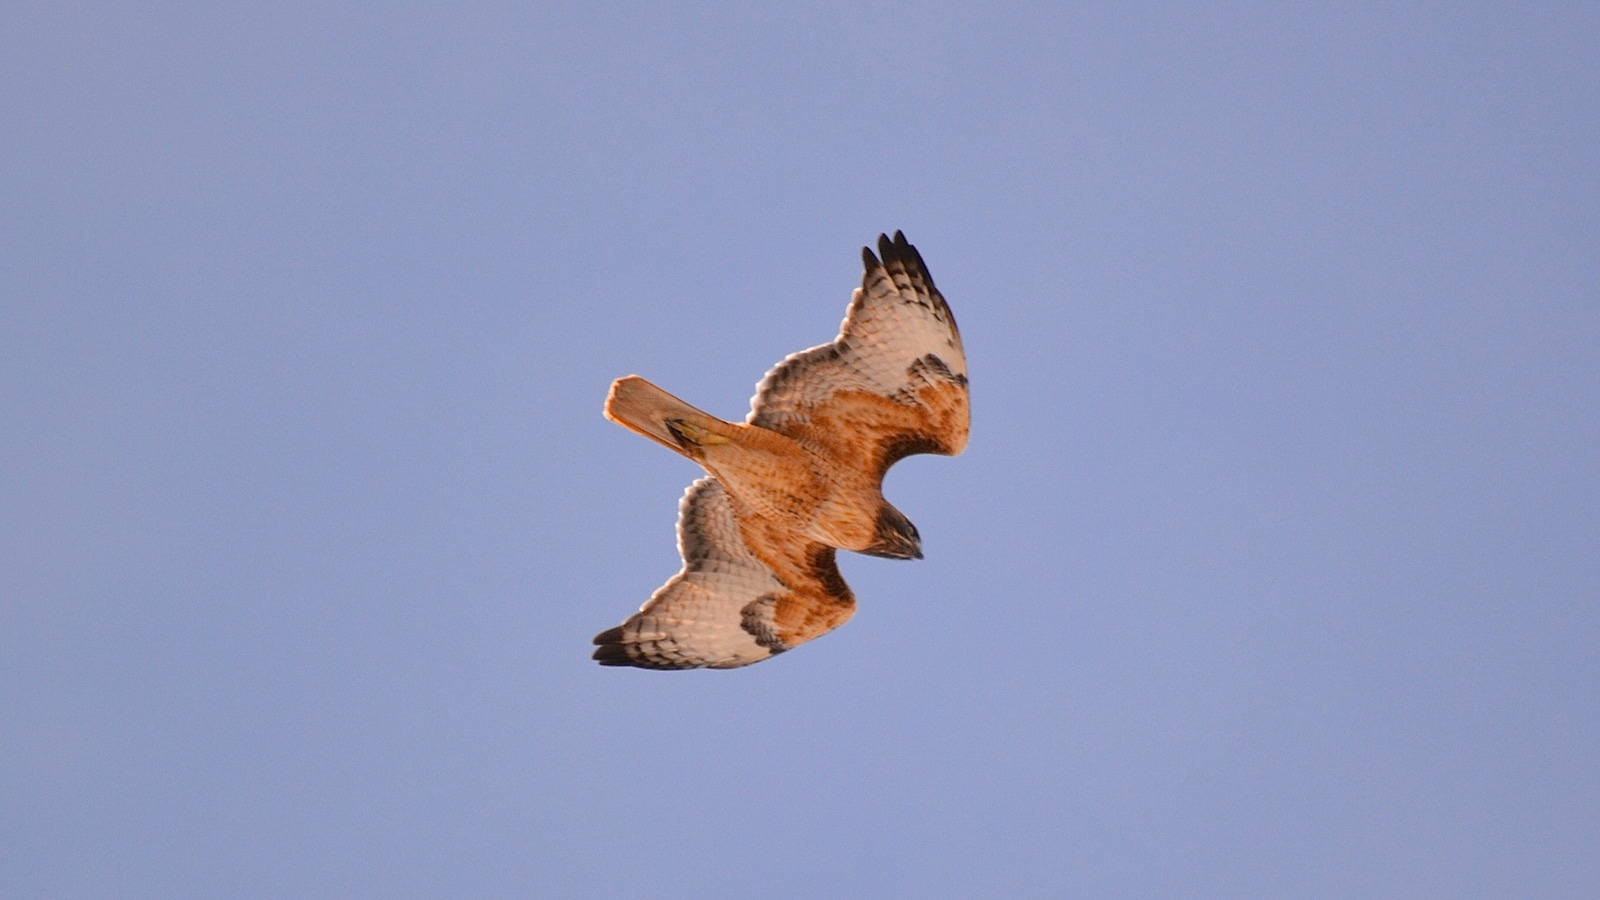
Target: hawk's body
(801, 477)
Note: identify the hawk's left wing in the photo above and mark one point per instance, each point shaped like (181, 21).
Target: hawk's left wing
(748, 590)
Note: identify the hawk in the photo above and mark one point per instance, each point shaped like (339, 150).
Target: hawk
(800, 478)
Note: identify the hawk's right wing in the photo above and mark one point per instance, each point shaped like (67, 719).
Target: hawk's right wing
(733, 604)
(893, 382)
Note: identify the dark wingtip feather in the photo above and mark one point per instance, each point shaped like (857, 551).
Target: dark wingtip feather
(612, 655)
(899, 246)
(898, 249)
(868, 261)
(609, 636)
(886, 246)
(905, 253)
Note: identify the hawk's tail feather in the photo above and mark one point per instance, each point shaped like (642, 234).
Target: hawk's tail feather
(640, 406)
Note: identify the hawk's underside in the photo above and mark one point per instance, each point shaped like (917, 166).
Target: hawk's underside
(800, 478)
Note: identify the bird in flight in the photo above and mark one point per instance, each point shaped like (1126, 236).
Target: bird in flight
(800, 478)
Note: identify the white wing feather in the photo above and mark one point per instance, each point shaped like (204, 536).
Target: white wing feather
(896, 318)
(711, 612)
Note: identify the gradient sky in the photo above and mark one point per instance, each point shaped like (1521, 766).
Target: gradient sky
(1272, 569)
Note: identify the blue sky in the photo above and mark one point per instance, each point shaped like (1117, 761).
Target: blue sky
(1270, 569)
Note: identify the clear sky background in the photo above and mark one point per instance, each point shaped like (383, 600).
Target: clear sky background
(1272, 569)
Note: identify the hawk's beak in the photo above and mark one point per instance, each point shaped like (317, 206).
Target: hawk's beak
(897, 537)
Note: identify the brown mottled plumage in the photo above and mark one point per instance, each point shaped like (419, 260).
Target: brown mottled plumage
(802, 476)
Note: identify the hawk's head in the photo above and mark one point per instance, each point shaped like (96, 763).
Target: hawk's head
(896, 537)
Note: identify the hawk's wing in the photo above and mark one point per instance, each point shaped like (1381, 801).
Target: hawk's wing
(748, 590)
(894, 382)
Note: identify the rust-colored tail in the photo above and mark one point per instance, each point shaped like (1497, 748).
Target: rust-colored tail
(640, 406)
